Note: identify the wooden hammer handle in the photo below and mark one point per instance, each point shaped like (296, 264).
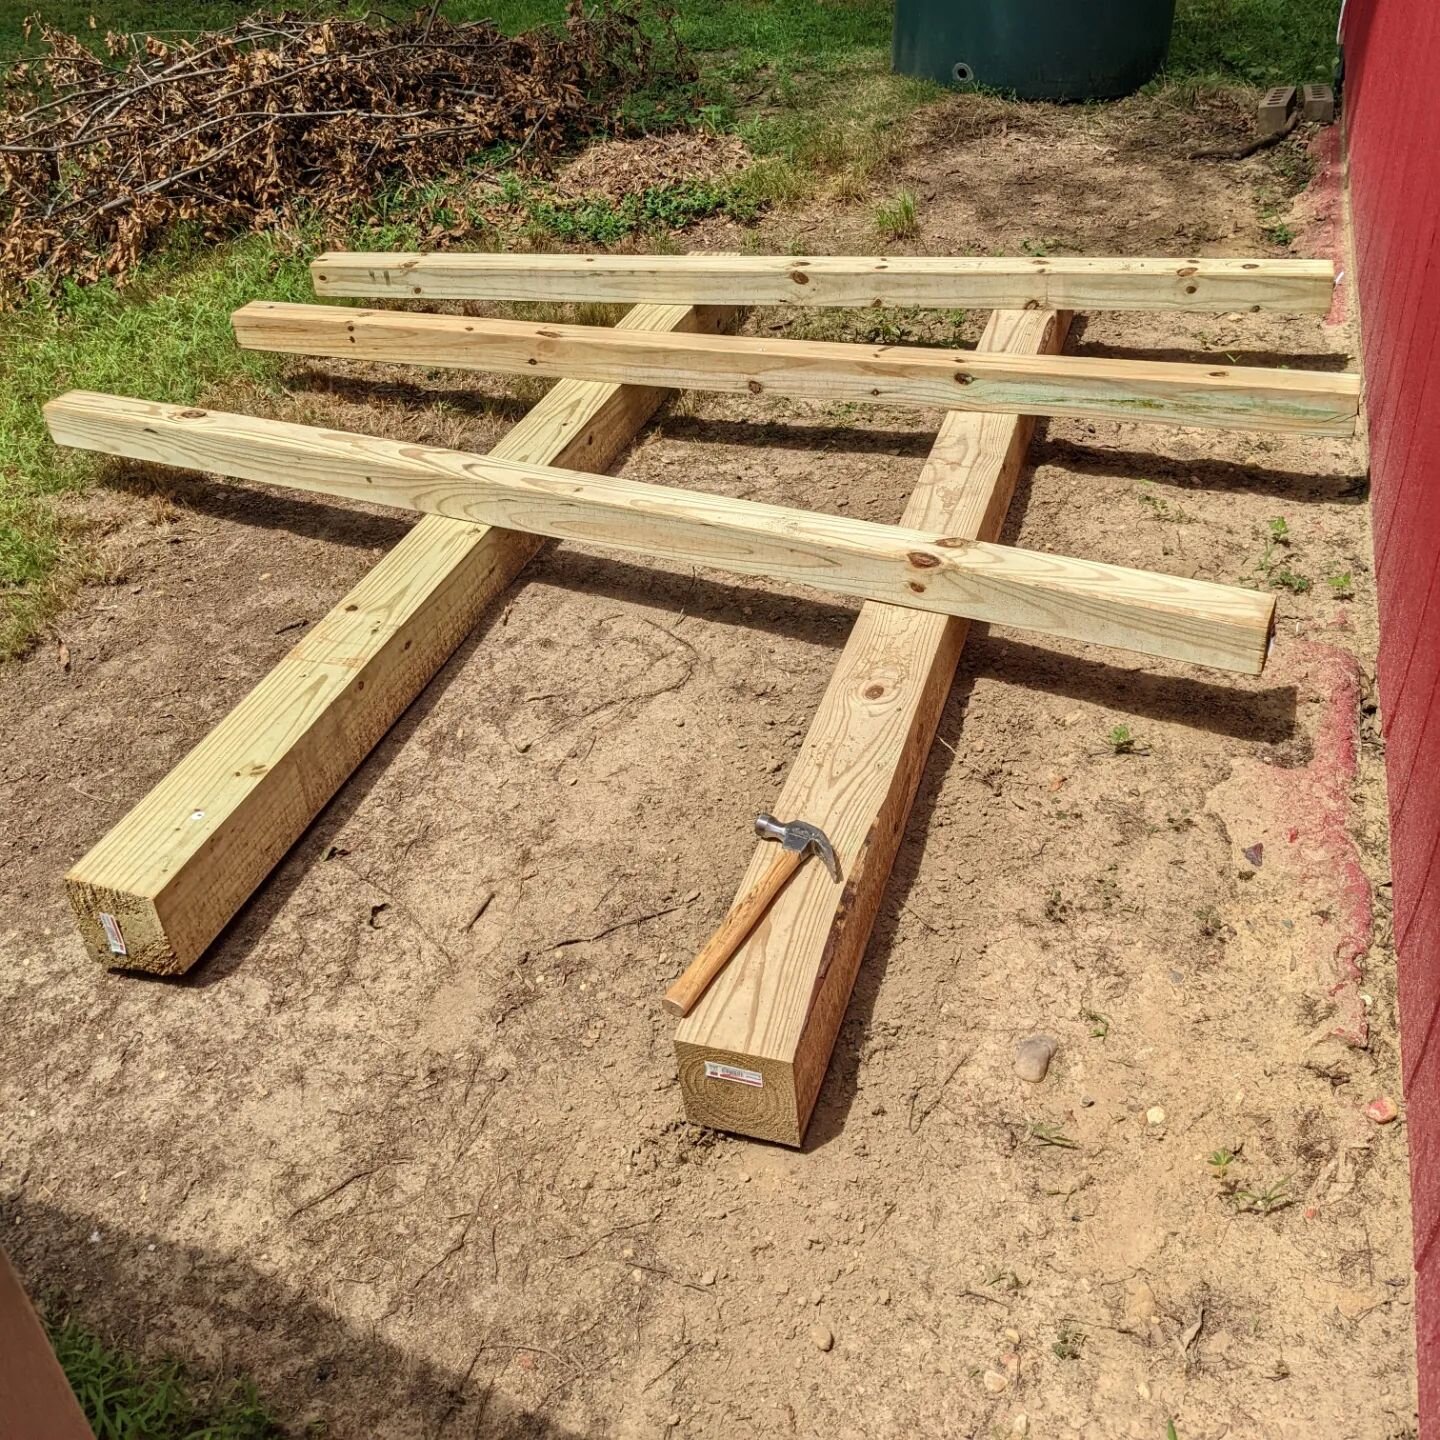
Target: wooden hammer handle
(682, 996)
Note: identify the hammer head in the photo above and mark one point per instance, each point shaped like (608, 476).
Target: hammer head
(802, 836)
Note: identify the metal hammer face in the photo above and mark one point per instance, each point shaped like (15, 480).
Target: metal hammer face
(799, 835)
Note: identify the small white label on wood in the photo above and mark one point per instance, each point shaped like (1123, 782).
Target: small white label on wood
(111, 927)
(715, 1071)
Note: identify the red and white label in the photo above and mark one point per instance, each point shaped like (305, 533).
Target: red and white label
(716, 1071)
(111, 926)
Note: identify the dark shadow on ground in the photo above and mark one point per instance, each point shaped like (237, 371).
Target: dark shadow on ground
(794, 435)
(145, 1293)
(1202, 473)
(1328, 360)
(367, 391)
(314, 516)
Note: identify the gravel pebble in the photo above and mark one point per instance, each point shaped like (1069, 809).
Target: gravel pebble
(1033, 1056)
(822, 1337)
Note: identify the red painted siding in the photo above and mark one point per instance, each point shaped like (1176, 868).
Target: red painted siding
(1392, 123)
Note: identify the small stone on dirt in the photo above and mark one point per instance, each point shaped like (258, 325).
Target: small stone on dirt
(708, 1278)
(1155, 1115)
(1033, 1056)
(1020, 1425)
(995, 1382)
(1382, 1110)
(1140, 1306)
(822, 1337)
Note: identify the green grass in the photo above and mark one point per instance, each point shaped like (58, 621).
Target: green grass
(129, 1399)
(166, 337)
(1254, 42)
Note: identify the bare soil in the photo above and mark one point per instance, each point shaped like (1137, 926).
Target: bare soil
(408, 1146)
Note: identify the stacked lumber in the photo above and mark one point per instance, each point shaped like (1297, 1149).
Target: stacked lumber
(155, 892)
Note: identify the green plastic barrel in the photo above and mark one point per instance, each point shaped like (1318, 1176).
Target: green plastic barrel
(1036, 49)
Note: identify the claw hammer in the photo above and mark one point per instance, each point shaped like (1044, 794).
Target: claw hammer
(798, 839)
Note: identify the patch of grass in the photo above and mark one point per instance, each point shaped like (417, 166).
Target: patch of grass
(1159, 507)
(125, 1398)
(1120, 740)
(1342, 586)
(166, 337)
(895, 219)
(1254, 42)
(1278, 233)
(1287, 579)
(659, 209)
(1069, 1342)
(1099, 1024)
(1212, 923)
(1275, 1196)
(1043, 1133)
(1221, 1160)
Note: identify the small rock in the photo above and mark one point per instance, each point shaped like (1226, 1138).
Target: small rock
(1255, 853)
(1020, 1425)
(708, 1278)
(1143, 1389)
(1155, 1115)
(817, 1297)
(1140, 1306)
(995, 1382)
(1382, 1110)
(822, 1337)
(1033, 1056)
(1013, 1336)
(674, 1420)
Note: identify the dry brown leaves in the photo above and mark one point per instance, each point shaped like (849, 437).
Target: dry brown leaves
(612, 169)
(235, 130)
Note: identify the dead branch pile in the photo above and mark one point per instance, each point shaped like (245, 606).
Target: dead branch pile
(236, 129)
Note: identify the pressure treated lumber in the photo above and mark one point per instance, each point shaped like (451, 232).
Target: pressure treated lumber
(175, 870)
(966, 282)
(753, 1052)
(1219, 396)
(1193, 620)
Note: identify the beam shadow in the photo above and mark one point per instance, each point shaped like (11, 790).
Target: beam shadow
(1315, 361)
(1202, 473)
(304, 1359)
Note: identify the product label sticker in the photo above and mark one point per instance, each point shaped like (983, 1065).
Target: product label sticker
(716, 1071)
(111, 927)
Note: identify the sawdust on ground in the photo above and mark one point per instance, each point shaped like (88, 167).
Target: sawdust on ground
(408, 1148)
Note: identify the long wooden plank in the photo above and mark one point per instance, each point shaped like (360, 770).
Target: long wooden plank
(753, 1052)
(1219, 396)
(35, 1397)
(173, 872)
(1218, 625)
(967, 282)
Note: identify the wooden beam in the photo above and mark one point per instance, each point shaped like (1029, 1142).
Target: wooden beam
(754, 1051)
(1218, 396)
(174, 871)
(967, 282)
(1193, 620)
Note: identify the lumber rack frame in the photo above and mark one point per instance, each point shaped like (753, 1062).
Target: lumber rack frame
(155, 892)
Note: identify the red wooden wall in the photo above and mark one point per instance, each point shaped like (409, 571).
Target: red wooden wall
(1392, 124)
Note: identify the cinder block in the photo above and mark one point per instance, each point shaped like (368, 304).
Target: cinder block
(1317, 102)
(1275, 107)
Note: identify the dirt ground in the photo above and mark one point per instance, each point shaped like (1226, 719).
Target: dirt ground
(421, 1170)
